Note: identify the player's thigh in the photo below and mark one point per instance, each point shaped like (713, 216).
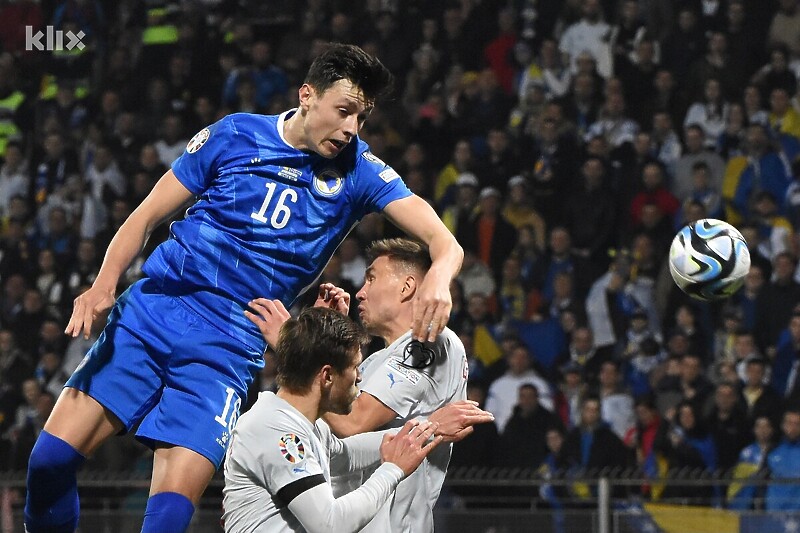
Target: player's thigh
(205, 386)
(123, 371)
(178, 469)
(81, 421)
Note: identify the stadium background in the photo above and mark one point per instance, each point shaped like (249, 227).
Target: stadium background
(563, 142)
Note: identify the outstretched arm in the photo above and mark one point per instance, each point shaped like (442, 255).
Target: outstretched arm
(164, 200)
(433, 303)
(317, 509)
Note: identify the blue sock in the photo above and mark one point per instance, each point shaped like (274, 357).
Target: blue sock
(51, 505)
(167, 512)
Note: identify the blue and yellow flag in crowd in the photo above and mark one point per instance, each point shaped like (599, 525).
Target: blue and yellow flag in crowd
(663, 518)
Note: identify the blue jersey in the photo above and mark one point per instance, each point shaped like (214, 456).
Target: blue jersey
(268, 217)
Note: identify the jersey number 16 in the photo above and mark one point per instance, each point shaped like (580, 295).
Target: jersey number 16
(281, 212)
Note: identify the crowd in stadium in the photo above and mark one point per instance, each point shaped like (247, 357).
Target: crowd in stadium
(564, 143)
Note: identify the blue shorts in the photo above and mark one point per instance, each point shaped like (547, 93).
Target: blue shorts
(162, 366)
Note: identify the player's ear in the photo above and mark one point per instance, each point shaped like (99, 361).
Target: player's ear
(409, 287)
(326, 375)
(304, 95)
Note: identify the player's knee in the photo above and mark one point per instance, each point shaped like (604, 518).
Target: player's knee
(167, 512)
(52, 501)
(53, 456)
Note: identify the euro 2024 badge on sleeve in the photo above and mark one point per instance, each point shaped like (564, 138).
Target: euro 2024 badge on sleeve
(292, 448)
(199, 139)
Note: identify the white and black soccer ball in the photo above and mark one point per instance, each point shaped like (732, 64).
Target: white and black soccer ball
(708, 259)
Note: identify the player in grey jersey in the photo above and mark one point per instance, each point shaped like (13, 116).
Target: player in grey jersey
(407, 379)
(277, 470)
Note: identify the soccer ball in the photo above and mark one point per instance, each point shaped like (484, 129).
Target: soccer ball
(708, 259)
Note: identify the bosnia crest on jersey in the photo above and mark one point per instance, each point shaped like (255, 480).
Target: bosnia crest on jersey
(328, 182)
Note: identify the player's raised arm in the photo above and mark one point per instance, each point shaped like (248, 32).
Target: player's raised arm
(432, 306)
(165, 199)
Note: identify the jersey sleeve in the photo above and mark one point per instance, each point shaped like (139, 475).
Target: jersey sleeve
(377, 184)
(281, 459)
(398, 386)
(197, 167)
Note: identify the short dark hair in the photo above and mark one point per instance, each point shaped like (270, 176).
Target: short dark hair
(410, 254)
(349, 62)
(317, 337)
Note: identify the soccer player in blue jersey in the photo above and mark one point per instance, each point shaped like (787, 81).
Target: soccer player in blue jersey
(274, 197)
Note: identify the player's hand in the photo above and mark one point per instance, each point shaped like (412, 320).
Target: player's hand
(333, 297)
(455, 420)
(408, 447)
(431, 307)
(87, 308)
(269, 316)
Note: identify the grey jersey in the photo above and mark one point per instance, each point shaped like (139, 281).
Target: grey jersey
(440, 377)
(272, 446)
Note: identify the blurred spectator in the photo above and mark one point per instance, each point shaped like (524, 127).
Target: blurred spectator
(49, 374)
(514, 300)
(747, 299)
(616, 404)
(498, 53)
(783, 463)
(654, 191)
(702, 191)
(585, 353)
(785, 27)
(778, 300)
(475, 276)
(353, 263)
(688, 449)
(642, 436)
(759, 399)
(477, 450)
(696, 153)
(466, 201)
(14, 177)
(689, 384)
(776, 73)
(783, 118)
(590, 34)
(613, 123)
(611, 300)
(774, 229)
(640, 365)
(711, 114)
(55, 165)
(667, 144)
(51, 284)
(547, 72)
(550, 165)
(172, 140)
(725, 335)
(524, 437)
(728, 424)
(501, 162)
(461, 162)
(752, 461)
(487, 233)
(684, 43)
(269, 80)
(572, 387)
(732, 139)
(786, 369)
(591, 446)
(590, 214)
(503, 392)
